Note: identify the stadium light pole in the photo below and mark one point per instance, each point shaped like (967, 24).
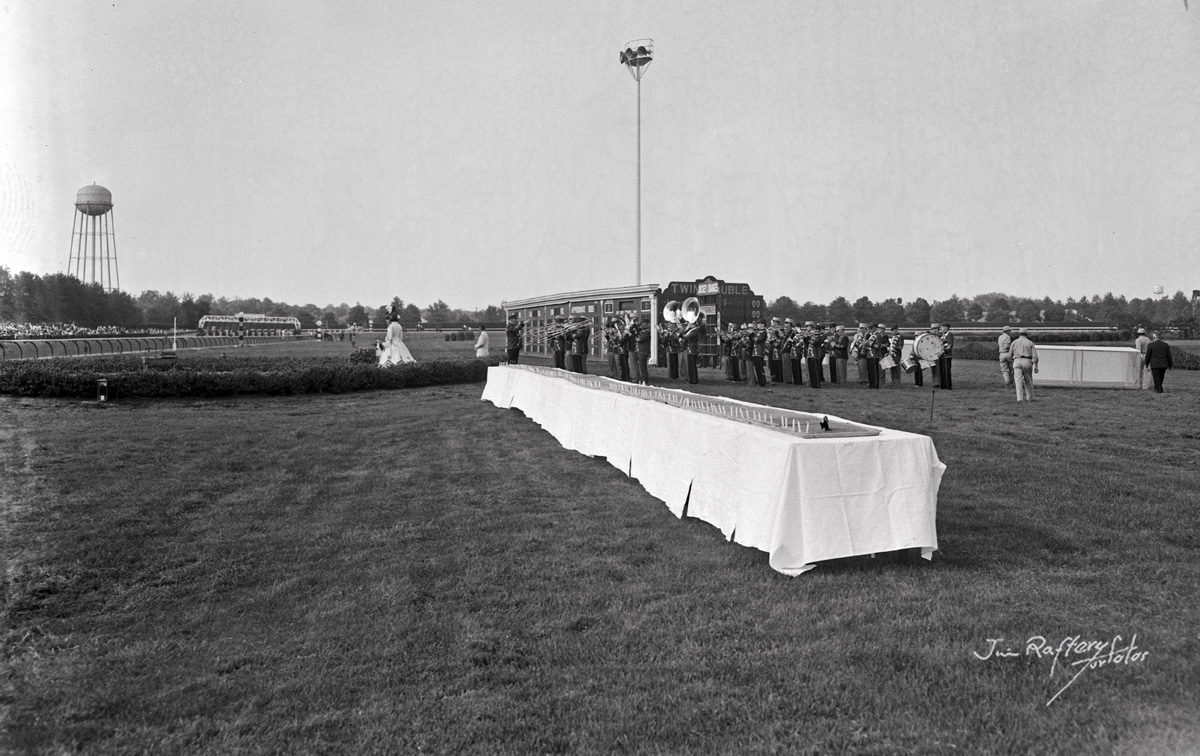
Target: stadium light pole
(637, 56)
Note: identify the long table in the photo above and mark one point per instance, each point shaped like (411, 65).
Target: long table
(801, 498)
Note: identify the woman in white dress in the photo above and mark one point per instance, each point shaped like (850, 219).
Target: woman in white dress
(392, 350)
(483, 344)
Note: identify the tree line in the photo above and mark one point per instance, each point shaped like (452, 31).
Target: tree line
(1175, 312)
(61, 298)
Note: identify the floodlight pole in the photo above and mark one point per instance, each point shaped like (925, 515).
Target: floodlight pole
(636, 56)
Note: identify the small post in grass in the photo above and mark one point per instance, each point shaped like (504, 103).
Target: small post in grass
(932, 393)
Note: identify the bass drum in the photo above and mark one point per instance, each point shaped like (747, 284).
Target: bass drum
(927, 347)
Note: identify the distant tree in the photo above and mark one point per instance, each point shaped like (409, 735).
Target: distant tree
(357, 315)
(1052, 311)
(329, 319)
(1028, 312)
(784, 307)
(946, 311)
(410, 315)
(492, 313)
(864, 311)
(187, 312)
(974, 312)
(890, 311)
(839, 311)
(438, 312)
(917, 312)
(812, 311)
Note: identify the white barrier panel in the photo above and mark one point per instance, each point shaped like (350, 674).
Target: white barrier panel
(801, 498)
(1088, 367)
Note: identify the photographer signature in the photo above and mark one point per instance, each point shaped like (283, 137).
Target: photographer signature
(1088, 654)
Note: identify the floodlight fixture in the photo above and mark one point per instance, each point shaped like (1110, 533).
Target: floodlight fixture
(637, 56)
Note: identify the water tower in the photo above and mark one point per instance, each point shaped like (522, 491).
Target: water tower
(93, 239)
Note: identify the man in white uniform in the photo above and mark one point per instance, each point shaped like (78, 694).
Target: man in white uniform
(1141, 342)
(1024, 361)
(1006, 368)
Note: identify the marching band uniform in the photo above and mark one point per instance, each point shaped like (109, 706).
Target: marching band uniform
(512, 342)
(813, 348)
(918, 371)
(610, 342)
(623, 344)
(1003, 344)
(947, 359)
(774, 355)
(668, 343)
(871, 350)
(758, 343)
(798, 343)
(727, 339)
(691, 338)
(558, 343)
(839, 345)
(858, 352)
(896, 350)
(641, 343)
(934, 373)
(880, 337)
(818, 336)
(580, 342)
(744, 351)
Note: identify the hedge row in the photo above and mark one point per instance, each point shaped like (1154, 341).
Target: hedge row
(55, 379)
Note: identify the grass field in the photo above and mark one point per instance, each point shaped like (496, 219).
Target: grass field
(418, 571)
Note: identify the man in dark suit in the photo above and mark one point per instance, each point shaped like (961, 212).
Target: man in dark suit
(1158, 359)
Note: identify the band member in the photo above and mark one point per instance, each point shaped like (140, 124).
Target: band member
(946, 361)
(774, 355)
(610, 345)
(624, 344)
(758, 345)
(858, 353)
(880, 335)
(797, 344)
(933, 370)
(581, 339)
(512, 335)
(727, 340)
(640, 336)
(692, 335)
(813, 349)
(895, 351)
(817, 335)
(558, 342)
(744, 350)
(839, 346)
(668, 342)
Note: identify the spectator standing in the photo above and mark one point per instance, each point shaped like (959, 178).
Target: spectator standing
(1141, 342)
(1158, 359)
(1024, 361)
(483, 344)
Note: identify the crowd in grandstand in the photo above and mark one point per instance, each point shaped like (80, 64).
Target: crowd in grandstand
(54, 331)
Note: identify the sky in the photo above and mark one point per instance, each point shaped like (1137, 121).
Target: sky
(477, 152)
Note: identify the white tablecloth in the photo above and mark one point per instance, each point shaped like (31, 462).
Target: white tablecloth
(1088, 367)
(800, 500)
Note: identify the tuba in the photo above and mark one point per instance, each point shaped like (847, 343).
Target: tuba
(671, 312)
(690, 309)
